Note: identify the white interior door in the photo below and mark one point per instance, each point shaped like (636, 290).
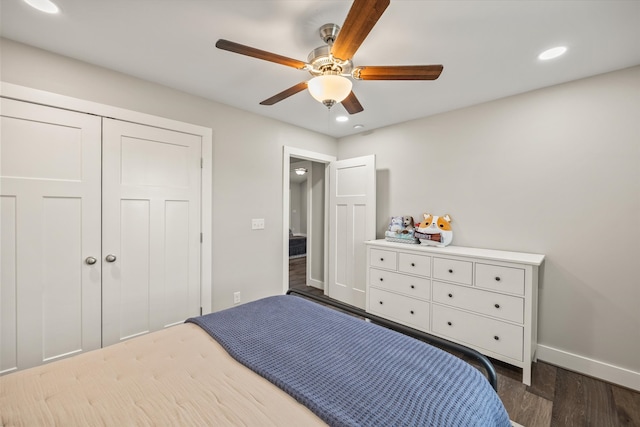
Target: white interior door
(49, 226)
(352, 221)
(151, 228)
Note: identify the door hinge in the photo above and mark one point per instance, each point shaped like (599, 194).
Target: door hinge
(201, 163)
(200, 237)
(200, 311)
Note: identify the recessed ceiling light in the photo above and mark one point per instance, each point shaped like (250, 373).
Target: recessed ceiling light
(342, 119)
(358, 126)
(46, 6)
(552, 53)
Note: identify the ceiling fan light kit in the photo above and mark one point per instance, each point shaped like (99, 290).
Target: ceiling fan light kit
(331, 65)
(329, 88)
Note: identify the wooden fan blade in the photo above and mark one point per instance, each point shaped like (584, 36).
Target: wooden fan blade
(351, 104)
(285, 94)
(260, 54)
(362, 17)
(398, 72)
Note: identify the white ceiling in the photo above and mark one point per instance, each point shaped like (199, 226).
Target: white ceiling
(488, 48)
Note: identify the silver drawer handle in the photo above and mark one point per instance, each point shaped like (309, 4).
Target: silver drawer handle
(110, 258)
(90, 260)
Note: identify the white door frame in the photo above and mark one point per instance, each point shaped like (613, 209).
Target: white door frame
(288, 153)
(22, 93)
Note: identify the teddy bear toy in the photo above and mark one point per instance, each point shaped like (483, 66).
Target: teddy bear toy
(435, 230)
(395, 225)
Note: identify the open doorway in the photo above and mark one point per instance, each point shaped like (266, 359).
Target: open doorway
(349, 193)
(306, 225)
(304, 221)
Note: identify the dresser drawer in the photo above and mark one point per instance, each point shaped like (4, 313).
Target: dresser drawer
(490, 334)
(414, 264)
(502, 306)
(416, 287)
(496, 277)
(453, 270)
(402, 309)
(383, 259)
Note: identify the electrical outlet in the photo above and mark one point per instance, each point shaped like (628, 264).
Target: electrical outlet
(236, 297)
(257, 224)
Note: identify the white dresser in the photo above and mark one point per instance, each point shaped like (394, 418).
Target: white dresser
(485, 299)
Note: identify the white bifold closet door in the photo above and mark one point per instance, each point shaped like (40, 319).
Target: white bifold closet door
(50, 298)
(151, 229)
(99, 231)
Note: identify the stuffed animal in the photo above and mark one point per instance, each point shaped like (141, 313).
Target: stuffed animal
(401, 229)
(396, 224)
(435, 230)
(407, 224)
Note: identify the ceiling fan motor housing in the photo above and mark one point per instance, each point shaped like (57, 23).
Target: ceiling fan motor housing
(320, 58)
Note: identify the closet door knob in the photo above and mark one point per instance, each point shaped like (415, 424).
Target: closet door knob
(90, 260)
(110, 258)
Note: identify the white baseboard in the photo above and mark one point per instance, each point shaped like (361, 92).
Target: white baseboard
(593, 368)
(316, 283)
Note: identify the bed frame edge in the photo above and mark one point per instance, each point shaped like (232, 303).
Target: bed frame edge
(484, 361)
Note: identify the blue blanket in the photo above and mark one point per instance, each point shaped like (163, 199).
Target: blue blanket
(350, 372)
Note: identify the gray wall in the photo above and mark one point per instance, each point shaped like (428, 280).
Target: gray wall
(555, 171)
(243, 260)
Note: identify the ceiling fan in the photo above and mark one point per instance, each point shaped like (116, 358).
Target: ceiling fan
(331, 64)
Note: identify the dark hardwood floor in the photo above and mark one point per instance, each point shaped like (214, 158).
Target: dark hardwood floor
(557, 397)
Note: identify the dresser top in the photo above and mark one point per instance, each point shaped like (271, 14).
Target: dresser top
(491, 254)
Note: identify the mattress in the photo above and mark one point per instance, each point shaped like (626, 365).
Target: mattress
(177, 376)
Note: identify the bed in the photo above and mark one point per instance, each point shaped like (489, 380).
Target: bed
(269, 362)
(297, 245)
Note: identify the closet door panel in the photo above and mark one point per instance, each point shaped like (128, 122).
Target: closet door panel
(62, 281)
(50, 183)
(134, 262)
(9, 284)
(151, 224)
